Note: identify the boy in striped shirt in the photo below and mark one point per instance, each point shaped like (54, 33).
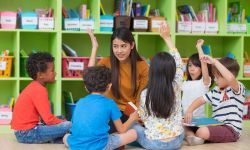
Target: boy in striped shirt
(226, 98)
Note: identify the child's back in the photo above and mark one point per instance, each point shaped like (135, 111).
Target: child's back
(93, 113)
(90, 122)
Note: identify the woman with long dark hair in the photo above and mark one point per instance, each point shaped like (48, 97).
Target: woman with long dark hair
(129, 70)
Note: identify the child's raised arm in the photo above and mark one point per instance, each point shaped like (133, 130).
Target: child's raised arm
(204, 69)
(165, 34)
(94, 48)
(231, 80)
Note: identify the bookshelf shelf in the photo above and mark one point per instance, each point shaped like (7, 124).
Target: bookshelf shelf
(148, 43)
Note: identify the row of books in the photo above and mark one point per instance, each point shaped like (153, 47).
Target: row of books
(207, 13)
(82, 12)
(236, 13)
(130, 8)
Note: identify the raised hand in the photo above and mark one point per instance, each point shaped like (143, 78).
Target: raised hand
(164, 30)
(93, 39)
(199, 43)
(207, 59)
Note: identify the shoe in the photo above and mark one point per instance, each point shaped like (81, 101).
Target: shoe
(194, 140)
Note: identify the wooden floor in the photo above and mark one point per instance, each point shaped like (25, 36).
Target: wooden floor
(8, 142)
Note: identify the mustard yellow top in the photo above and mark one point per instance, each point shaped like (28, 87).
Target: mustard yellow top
(126, 93)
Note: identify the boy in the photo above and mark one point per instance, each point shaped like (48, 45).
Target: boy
(93, 113)
(227, 100)
(33, 104)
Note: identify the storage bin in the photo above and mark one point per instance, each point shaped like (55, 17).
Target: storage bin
(236, 28)
(5, 66)
(184, 67)
(155, 22)
(198, 27)
(212, 27)
(5, 115)
(246, 69)
(185, 27)
(8, 20)
(86, 24)
(29, 20)
(140, 24)
(71, 24)
(122, 21)
(69, 109)
(72, 67)
(106, 23)
(23, 71)
(46, 23)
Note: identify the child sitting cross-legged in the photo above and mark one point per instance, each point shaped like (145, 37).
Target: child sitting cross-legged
(33, 107)
(227, 100)
(92, 115)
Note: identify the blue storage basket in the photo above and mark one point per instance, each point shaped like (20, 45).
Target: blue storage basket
(69, 108)
(29, 20)
(107, 23)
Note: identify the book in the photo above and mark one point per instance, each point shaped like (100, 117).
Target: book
(68, 98)
(199, 122)
(130, 108)
(23, 53)
(102, 11)
(68, 50)
(206, 49)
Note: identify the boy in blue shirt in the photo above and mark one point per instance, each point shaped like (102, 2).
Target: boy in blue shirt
(92, 114)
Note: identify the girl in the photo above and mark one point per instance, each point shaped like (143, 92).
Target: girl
(129, 71)
(198, 79)
(160, 103)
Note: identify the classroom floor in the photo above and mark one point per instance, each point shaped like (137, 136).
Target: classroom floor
(8, 142)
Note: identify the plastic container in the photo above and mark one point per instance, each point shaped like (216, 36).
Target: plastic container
(122, 21)
(23, 71)
(69, 109)
(72, 67)
(29, 20)
(8, 20)
(106, 23)
(5, 66)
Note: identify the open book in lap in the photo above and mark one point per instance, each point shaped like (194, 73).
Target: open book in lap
(199, 122)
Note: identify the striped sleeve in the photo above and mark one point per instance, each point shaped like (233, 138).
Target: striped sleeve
(208, 96)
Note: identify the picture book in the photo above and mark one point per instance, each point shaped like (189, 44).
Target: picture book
(199, 122)
(130, 108)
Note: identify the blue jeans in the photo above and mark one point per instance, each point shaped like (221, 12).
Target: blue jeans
(114, 142)
(157, 144)
(44, 133)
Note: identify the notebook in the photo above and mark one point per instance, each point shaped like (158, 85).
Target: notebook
(199, 122)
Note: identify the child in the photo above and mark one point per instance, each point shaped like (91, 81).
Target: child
(93, 113)
(227, 104)
(160, 103)
(198, 80)
(33, 104)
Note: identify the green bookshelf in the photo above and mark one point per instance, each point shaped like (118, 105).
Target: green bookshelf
(148, 43)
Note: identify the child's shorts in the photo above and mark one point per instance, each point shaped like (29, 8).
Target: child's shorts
(222, 134)
(114, 142)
